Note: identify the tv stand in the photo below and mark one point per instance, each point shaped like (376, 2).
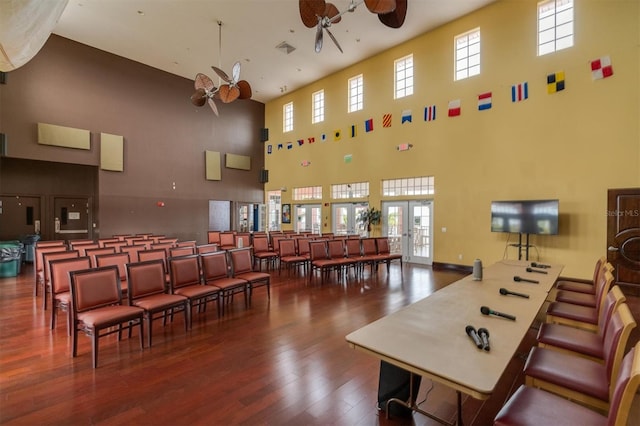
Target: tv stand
(526, 247)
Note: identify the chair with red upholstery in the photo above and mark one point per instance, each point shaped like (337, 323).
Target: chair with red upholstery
(242, 267)
(227, 241)
(583, 380)
(133, 251)
(97, 308)
(82, 248)
(206, 248)
(92, 253)
(288, 257)
(119, 260)
(148, 290)
(581, 298)
(585, 343)
(213, 237)
(215, 270)
(61, 287)
(354, 252)
(182, 251)
(38, 267)
(534, 407)
(262, 253)
(186, 280)
(384, 252)
(190, 243)
(583, 286)
(47, 258)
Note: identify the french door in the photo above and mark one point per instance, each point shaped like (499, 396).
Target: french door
(409, 227)
(344, 218)
(307, 218)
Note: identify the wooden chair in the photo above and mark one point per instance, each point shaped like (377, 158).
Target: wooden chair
(38, 267)
(213, 237)
(583, 380)
(92, 253)
(288, 256)
(535, 407)
(353, 250)
(61, 286)
(119, 260)
(103, 241)
(164, 246)
(384, 252)
(186, 281)
(46, 259)
(262, 254)
(581, 286)
(97, 308)
(206, 248)
(73, 243)
(148, 290)
(157, 254)
(241, 267)
(581, 298)
(227, 241)
(215, 271)
(182, 251)
(370, 254)
(321, 261)
(190, 243)
(82, 248)
(118, 245)
(133, 251)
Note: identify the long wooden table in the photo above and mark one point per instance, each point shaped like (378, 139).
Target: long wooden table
(428, 338)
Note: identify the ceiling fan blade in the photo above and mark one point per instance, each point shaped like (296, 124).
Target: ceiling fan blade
(332, 12)
(395, 19)
(334, 40)
(245, 89)
(310, 10)
(203, 82)
(223, 75)
(199, 98)
(235, 72)
(380, 6)
(228, 93)
(213, 106)
(319, 37)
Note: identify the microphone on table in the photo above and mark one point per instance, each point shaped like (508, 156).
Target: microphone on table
(484, 336)
(518, 279)
(471, 332)
(486, 311)
(536, 270)
(505, 292)
(540, 265)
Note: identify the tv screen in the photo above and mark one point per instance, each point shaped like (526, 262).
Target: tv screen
(525, 217)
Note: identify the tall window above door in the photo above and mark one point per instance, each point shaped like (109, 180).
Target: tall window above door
(287, 117)
(555, 25)
(317, 100)
(356, 93)
(467, 47)
(403, 83)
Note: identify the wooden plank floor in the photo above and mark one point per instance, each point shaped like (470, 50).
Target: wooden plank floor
(283, 361)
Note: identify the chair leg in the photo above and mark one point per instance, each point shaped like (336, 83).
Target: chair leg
(53, 313)
(149, 318)
(140, 321)
(94, 344)
(74, 340)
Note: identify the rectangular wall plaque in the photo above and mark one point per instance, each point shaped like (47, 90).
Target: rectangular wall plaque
(111, 152)
(241, 162)
(67, 137)
(212, 165)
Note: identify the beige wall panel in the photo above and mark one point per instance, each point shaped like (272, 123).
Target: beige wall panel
(67, 137)
(111, 152)
(212, 165)
(241, 162)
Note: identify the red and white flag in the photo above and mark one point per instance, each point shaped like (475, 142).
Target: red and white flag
(601, 68)
(454, 108)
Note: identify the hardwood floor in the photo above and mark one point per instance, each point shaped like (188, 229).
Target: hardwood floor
(282, 361)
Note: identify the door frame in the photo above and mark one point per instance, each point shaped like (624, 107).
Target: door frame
(407, 238)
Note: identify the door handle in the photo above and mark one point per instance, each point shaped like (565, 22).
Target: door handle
(612, 248)
(56, 226)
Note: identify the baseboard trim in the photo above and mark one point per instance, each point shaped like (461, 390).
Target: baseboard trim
(464, 269)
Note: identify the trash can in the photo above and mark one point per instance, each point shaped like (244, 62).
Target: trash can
(29, 242)
(10, 258)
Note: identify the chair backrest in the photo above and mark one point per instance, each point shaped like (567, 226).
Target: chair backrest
(154, 254)
(82, 248)
(103, 241)
(213, 237)
(133, 251)
(260, 244)
(181, 251)
(190, 243)
(625, 388)
(598, 268)
(303, 246)
(610, 304)
(40, 251)
(145, 279)
(382, 245)
(214, 265)
(155, 239)
(47, 258)
(51, 243)
(119, 260)
(287, 247)
(207, 248)
(132, 241)
(335, 248)
(164, 246)
(602, 288)
(121, 237)
(116, 244)
(318, 250)
(166, 240)
(60, 270)
(369, 247)
(95, 288)
(353, 247)
(615, 341)
(92, 253)
(73, 243)
(184, 270)
(227, 239)
(242, 240)
(241, 261)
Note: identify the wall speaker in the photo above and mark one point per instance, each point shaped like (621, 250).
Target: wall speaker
(264, 176)
(3, 77)
(3, 145)
(264, 135)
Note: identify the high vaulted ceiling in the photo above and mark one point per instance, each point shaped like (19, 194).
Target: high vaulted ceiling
(181, 36)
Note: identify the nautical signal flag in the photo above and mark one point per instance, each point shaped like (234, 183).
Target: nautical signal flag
(300, 142)
(430, 113)
(519, 92)
(311, 139)
(279, 146)
(354, 130)
(348, 158)
(323, 137)
(289, 145)
(406, 116)
(337, 135)
(455, 108)
(368, 125)
(555, 82)
(269, 149)
(484, 101)
(601, 68)
(386, 120)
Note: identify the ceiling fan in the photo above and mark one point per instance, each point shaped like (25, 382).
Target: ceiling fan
(232, 89)
(321, 15)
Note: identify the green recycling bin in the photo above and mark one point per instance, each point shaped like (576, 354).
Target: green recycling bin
(10, 258)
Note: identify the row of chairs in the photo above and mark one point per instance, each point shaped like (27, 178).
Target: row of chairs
(194, 281)
(578, 373)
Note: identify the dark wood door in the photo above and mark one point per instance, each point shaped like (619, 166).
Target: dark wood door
(72, 218)
(623, 237)
(19, 216)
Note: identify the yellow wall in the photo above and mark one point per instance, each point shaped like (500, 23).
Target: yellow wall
(572, 145)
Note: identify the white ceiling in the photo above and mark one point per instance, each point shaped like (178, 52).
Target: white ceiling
(181, 36)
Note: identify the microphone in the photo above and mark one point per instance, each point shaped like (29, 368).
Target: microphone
(518, 279)
(505, 292)
(484, 336)
(486, 311)
(471, 332)
(540, 265)
(536, 270)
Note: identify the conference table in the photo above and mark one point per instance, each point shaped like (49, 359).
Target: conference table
(428, 338)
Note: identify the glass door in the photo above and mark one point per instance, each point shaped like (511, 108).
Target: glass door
(308, 218)
(344, 218)
(409, 227)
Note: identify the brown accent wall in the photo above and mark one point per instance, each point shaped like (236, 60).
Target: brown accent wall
(70, 84)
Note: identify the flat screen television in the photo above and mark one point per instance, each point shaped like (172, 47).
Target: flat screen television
(535, 217)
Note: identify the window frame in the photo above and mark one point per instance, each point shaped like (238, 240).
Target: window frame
(399, 76)
(317, 107)
(355, 101)
(549, 10)
(469, 70)
(287, 117)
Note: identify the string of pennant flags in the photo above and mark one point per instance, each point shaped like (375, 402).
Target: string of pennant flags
(601, 68)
